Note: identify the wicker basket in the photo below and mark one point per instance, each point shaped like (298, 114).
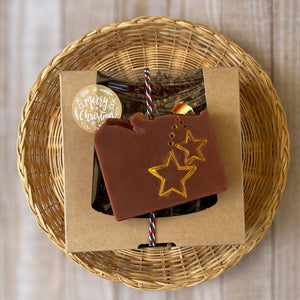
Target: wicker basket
(159, 43)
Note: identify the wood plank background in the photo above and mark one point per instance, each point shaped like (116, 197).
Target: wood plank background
(31, 33)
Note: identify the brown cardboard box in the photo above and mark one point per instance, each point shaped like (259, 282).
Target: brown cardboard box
(89, 230)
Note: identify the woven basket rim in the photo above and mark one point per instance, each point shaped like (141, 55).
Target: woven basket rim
(102, 31)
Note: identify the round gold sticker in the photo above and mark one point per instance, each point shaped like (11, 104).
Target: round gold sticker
(94, 104)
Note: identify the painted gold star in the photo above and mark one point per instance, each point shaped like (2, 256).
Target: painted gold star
(197, 145)
(190, 170)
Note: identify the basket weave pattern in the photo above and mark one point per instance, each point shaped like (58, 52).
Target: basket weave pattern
(158, 43)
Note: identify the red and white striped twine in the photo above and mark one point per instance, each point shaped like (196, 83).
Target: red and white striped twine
(150, 115)
(148, 90)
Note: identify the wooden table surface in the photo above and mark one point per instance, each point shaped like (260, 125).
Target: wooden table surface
(32, 32)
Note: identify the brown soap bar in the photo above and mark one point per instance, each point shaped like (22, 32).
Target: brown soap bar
(150, 165)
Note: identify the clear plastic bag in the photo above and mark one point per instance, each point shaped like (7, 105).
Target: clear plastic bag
(168, 88)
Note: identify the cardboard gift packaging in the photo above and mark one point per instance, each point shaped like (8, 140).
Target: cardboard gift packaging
(89, 230)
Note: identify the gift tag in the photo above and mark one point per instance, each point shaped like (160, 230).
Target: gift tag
(94, 104)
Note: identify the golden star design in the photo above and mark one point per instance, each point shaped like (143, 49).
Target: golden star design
(189, 170)
(197, 144)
